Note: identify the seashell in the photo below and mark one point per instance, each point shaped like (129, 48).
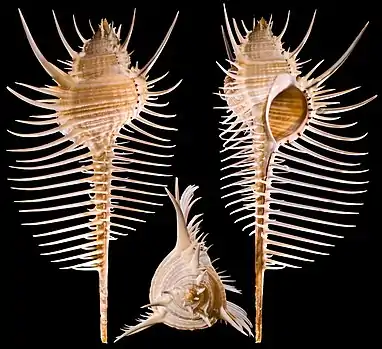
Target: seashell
(280, 135)
(97, 108)
(186, 292)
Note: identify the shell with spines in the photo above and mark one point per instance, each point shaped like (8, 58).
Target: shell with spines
(283, 165)
(101, 169)
(186, 292)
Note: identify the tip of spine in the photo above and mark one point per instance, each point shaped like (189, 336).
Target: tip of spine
(20, 14)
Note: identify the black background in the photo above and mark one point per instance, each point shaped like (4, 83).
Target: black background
(329, 302)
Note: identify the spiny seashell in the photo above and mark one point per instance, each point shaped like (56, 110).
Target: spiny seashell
(99, 101)
(186, 292)
(278, 124)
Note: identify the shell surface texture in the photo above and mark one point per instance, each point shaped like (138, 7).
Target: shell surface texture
(186, 292)
(105, 168)
(286, 170)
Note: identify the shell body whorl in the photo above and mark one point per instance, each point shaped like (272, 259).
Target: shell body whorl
(260, 64)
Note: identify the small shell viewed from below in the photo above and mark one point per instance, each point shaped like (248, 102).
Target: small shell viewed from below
(103, 169)
(280, 139)
(186, 292)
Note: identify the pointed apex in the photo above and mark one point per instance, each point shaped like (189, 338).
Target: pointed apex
(104, 41)
(105, 24)
(104, 29)
(262, 24)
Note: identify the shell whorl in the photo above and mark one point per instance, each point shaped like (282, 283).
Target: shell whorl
(186, 292)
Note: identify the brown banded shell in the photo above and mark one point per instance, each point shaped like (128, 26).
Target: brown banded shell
(186, 292)
(282, 161)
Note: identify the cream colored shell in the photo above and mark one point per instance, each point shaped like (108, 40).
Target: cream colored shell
(97, 112)
(280, 150)
(186, 292)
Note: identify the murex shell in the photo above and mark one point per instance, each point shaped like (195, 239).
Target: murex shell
(186, 291)
(98, 157)
(280, 149)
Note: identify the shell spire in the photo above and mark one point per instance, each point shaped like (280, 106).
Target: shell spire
(98, 181)
(284, 173)
(262, 24)
(186, 292)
